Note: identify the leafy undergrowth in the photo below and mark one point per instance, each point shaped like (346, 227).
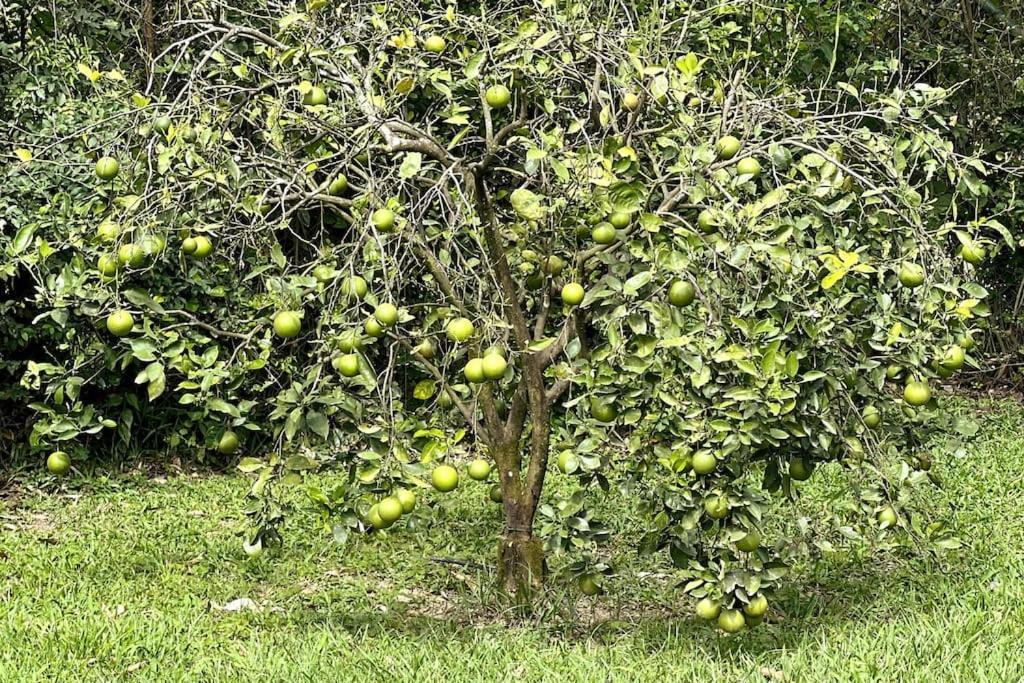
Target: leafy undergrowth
(143, 576)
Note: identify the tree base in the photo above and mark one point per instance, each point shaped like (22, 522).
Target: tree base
(521, 566)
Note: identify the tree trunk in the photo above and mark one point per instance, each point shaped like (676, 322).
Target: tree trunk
(521, 566)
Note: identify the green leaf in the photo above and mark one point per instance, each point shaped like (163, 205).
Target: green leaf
(527, 204)
(410, 165)
(318, 423)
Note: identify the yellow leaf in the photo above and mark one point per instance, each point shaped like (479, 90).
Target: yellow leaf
(115, 75)
(88, 72)
(23, 154)
(849, 257)
(895, 332)
(833, 278)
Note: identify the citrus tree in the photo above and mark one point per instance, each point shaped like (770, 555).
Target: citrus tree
(569, 239)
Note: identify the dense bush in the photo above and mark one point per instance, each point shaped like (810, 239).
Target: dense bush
(685, 268)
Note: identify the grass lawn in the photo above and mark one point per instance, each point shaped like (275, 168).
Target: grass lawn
(127, 578)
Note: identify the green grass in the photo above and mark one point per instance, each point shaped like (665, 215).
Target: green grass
(121, 578)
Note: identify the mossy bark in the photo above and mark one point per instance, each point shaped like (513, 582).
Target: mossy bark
(521, 566)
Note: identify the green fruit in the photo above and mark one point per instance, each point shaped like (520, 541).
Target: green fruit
(228, 443)
(731, 621)
(189, 245)
(917, 393)
(553, 265)
(757, 607)
(727, 147)
(120, 323)
(390, 509)
(444, 478)
(408, 500)
(708, 609)
(603, 233)
(459, 330)
(871, 416)
(162, 124)
(630, 101)
(350, 340)
(474, 370)
(953, 358)
(383, 220)
(426, 349)
(131, 254)
(717, 507)
(973, 253)
(107, 168)
(386, 314)
(966, 341)
(681, 293)
(287, 324)
(444, 399)
(338, 185)
(479, 470)
(107, 265)
(619, 220)
(347, 365)
(887, 516)
(911, 275)
(373, 328)
(58, 463)
(253, 550)
(800, 469)
(107, 231)
(706, 221)
(589, 585)
(534, 282)
(567, 462)
(315, 96)
(603, 411)
(749, 543)
(434, 44)
(497, 97)
(494, 365)
(375, 519)
(153, 245)
(704, 462)
(495, 494)
(354, 287)
(892, 371)
(203, 247)
(323, 273)
(749, 166)
(572, 294)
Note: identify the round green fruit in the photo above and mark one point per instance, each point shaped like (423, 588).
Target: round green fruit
(567, 462)
(553, 266)
(717, 507)
(727, 147)
(314, 97)
(681, 293)
(911, 275)
(757, 607)
(494, 365)
(189, 246)
(203, 247)
(350, 340)
(107, 265)
(953, 358)
(707, 221)
(375, 519)
(871, 416)
(120, 323)
(383, 220)
(58, 463)
(459, 330)
(386, 314)
(917, 393)
(162, 124)
(435, 44)
(474, 370)
(497, 97)
(495, 494)
(887, 516)
(603, 233)
(338, 185)
(107, 231)
(426, 349)
(479, 469)
(347, 364)
(390, 509)
(800, 469)
(704, 462)
(708, 609)
(373, 328)
(749, 543)
(731, 621)
(287, 324)
(444, 478)
(407, 499)
(131, 254)
(107, 168)
(228, 443)
(572, 294)
(323, 273)
(973, 253)
(749, 166)
(630, 101)
(603, 411)
(354, 287)
(619, 220)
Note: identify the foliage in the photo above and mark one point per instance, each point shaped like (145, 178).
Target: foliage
(457, 205)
